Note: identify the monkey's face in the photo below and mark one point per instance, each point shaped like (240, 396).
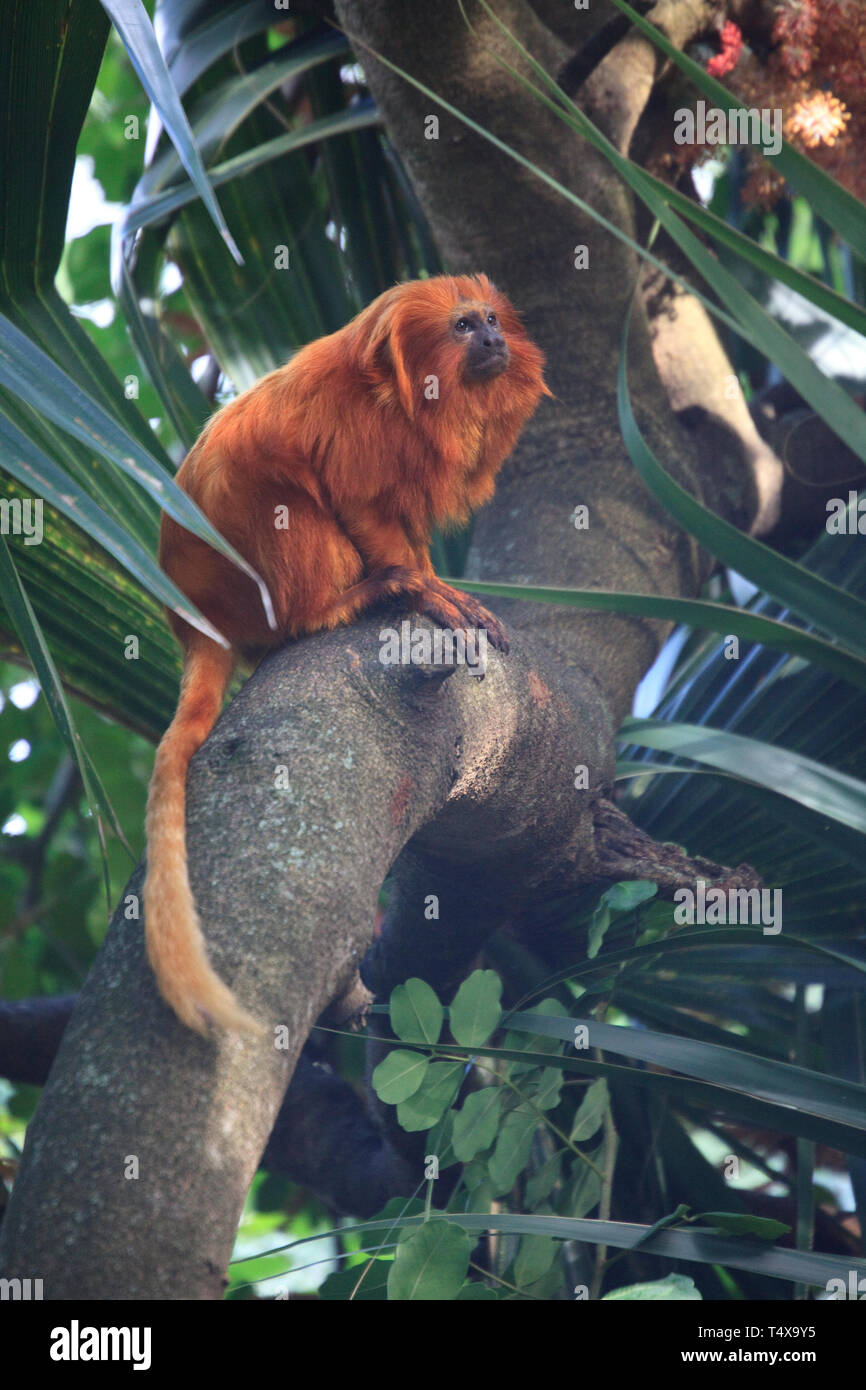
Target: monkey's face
(458, 330)
(476, 330)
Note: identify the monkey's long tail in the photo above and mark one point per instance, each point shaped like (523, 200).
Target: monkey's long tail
(173, 935)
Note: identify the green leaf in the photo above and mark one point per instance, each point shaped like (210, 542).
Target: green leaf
(547, 1289)
(601, 919)
(542, 1086)
(790, 1118)
(439, 1141)
(476, 1123)
(221, 111)
(32, 467)
(416, 1014)
(843, 1027)
(212, 38)
(737, 938)
(431, 1099)
(513, 1148)
(475, 1011)
(778, 1082)
(542, 1183)
(549, 1008)
(620, 897)
(133, 24)
(817, 293)
(33, 642)
(534, 1258)
(185, 405)
(694, 613)
(430, 1264)
(151, 210)
(759, 328)
(820, 788)
(361, 1283)
(703, 1247)
(591, 1112)
(399, 1075)
(820, 602)
(840, 208)
(736, 1224)
(624, 897)
(673, 1288)
(584, 1192)
(755, 324)
(250, 320)
(397, 1209)
(30, 374)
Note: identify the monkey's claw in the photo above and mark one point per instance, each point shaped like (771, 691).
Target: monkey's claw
(495, 633)
(473, 613)
(485, 622)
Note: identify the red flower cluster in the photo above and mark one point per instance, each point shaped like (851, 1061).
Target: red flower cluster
(815, 73)
(794, 31)
(732, 44)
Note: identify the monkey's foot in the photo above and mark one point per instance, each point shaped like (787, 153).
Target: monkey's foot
(473, 613)
(447, 607)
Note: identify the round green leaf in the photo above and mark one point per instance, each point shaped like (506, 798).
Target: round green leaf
(622, 897)
(430, 1101)
(476, 1010)
(431, 1264)
(416, 1014)
(399, 1076)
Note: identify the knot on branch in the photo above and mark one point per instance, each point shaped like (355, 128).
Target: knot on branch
(350, 1010)
(623, 851)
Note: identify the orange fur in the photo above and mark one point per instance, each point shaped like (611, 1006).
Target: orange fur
(349, 438)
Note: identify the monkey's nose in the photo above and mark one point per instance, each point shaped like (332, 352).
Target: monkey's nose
(494, 341)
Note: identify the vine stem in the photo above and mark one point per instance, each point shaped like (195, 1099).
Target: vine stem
(611, 1144)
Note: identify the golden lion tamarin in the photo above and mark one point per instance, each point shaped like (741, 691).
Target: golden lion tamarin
(370, 437)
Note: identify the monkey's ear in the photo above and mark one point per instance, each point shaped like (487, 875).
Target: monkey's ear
(383, 354)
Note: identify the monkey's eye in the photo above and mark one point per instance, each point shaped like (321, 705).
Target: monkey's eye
(462, 325)
(492, 319)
